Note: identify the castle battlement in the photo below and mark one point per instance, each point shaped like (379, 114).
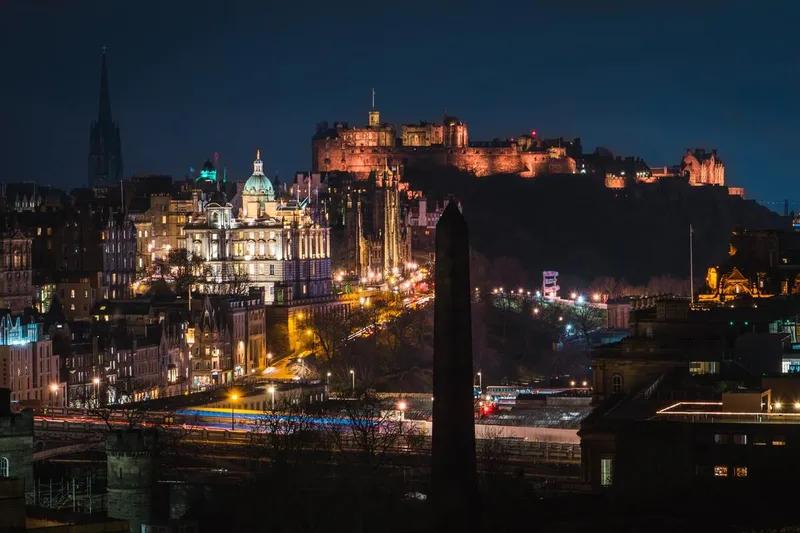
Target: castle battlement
(360, 150)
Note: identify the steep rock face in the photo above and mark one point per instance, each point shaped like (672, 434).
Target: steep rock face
(574, 224)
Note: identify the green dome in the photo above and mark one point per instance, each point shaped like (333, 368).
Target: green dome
(258, 182)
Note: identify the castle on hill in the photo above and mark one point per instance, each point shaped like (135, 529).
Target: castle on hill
(360, 150)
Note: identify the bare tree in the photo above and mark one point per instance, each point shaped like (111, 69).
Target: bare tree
(373, 432)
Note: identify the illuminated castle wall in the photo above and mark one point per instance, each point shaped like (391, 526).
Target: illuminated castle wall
(360, 150)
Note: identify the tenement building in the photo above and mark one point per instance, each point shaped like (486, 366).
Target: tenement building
(16, 290)
(361, 149)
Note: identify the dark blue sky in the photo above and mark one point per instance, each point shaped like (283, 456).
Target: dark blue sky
(189, 78)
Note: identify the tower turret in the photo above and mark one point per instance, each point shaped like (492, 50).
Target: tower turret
(374, 114)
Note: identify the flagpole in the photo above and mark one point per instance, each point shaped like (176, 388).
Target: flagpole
(691, 266)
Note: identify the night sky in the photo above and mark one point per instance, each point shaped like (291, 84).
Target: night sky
(191, 78)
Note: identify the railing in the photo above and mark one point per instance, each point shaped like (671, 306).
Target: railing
(510, 450)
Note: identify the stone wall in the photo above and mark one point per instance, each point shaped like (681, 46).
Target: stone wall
(16, 445)
(130, 462)
(335, 154)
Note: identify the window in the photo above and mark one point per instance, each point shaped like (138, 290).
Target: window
(779, 441)
(720, 438)
(606, 471)
(4, 467)
(740, 471)
(740, 439)
(720, 471)
(616, 383)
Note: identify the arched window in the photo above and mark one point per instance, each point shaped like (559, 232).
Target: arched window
(616, 383)
(4, 467)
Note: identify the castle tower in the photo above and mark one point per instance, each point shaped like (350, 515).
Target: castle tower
(374, 114)
(454, 483)
(130, 458)
(105, 147)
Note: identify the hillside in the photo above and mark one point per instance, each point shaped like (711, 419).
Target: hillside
(573, 224)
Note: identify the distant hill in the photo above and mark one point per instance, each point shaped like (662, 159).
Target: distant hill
(573, 224)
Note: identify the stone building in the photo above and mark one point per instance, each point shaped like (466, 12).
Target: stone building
(105, 147)
(703, 167)
(361, 149)
(28, 367)
(16, 442)
(16, 272)
(118, 239)
(131, 466)
(274, 244)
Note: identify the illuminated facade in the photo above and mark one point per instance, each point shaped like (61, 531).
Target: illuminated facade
(703, 167)
(118, 239)
(359, 150)
(16, 272)
(27, 364)
(274, 244)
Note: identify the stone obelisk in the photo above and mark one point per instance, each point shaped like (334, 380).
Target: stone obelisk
(454, 484)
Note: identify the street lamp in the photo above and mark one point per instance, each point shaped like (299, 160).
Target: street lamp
(234, 397)
(269, 359)
(480, 381)
(353, 376)
(54, 390)
(402, 406)
(96, 382)
(271, 390)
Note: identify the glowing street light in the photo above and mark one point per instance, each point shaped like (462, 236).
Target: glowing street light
(269, 359)
(54, 390)
(777, 406)
(271, 390)
(353, 377)
(233, 398)
(402, 406)
(480, 381)
(584, 383)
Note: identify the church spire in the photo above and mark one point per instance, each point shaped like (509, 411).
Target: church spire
(104, 108)
(105, 147)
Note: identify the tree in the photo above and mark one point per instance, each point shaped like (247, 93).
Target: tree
(373, 431)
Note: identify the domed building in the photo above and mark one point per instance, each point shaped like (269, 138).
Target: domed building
(258, 195)
(275, 244)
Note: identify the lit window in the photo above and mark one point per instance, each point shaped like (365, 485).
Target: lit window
(4, 467)
(720, 471)
(606, 471)
(740, 471)
(779, 441)
(616, 383)
(740, 439)
(72, 293)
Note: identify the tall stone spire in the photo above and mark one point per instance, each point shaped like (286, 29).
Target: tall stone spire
(105, 147)
(454, 478)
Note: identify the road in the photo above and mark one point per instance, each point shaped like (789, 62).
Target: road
(294, 368)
